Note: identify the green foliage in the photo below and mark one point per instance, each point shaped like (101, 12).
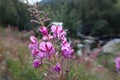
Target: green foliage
(79, 71)
(98, 14)
(101, 28)
(7, 12)
(22, 72)
(14, 13)
(107, 60)
(15, 58)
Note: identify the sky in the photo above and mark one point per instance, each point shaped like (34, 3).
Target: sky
(32, 1)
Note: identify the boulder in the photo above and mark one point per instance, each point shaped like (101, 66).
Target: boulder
(111, 46)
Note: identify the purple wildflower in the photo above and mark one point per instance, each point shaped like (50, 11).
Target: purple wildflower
(67, 51)
(36, 63)
(47, 48)
(33, 46)
(58, 31)
(33, 39)
(35, 52)
(44, 30)
(117, 63)
(45, 34)
(57, 67)
(41, 55)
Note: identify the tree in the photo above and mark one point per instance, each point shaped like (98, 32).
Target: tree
(14, 12)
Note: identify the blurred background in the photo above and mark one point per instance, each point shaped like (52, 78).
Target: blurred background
(96, 16)
(90, 24)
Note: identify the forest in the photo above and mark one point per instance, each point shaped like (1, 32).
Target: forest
(90, 17)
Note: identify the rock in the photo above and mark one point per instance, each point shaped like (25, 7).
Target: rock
(111, 45)
(80, 46)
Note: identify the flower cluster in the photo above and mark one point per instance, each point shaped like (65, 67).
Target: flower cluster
(46, 48)
(117, 63)
(53, 50)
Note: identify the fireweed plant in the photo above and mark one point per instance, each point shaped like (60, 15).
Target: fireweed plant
(53, 51)
(117, 64)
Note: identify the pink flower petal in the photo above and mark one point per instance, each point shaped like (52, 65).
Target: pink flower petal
(33, 39)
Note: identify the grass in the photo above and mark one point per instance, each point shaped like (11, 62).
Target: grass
(16, 61)
(15, 58)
